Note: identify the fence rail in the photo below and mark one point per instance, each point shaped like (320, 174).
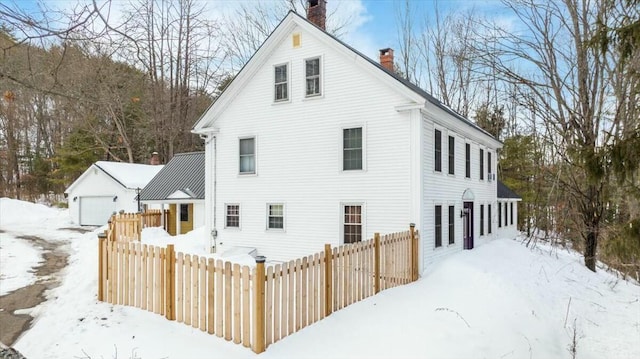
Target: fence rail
(126, 227)
(257, 306)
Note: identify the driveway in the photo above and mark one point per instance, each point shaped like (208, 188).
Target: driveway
(55, 259)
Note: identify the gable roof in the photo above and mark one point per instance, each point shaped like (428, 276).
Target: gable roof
(183, 174)
(506, 192)
(416, 93)
(128, 175)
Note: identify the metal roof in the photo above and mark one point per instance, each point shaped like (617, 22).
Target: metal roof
(506, 192)
(185, 172)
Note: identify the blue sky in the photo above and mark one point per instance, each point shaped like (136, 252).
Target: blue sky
(379, 29)
(374, 26)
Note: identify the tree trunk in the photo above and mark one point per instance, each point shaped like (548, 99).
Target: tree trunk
(590, 250)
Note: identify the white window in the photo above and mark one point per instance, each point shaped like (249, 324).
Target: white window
(312, 76)
(352, 148)
(281, 90)
(233, 216)
(275, 216)
(247, 155)
(352, 223)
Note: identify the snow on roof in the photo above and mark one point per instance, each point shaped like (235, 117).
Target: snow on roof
(130, 175)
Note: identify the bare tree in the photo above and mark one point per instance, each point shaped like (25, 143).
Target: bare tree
(177, 47)
(445, 51)
(250, 25)
(548, 54)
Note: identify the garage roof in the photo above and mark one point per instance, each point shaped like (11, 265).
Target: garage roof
(130, 175)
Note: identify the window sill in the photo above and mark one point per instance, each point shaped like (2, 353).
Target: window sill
(353, 171)
(254, 174)
(275, 230)
(280, 102)
(312, 97)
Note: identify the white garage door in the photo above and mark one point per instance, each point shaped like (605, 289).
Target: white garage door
(95, 211)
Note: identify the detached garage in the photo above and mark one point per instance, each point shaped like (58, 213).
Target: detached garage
(107, 187)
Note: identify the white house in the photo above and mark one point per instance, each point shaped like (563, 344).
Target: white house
(315, 143)
(180, 187)
(107, 187)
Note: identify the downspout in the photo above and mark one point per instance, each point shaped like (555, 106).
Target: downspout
(214, 232)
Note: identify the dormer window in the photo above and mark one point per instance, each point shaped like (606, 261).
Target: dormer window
(281, 83)
(312, 75)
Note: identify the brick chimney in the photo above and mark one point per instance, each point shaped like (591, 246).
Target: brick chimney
(155, 159)
(317, 12)
(386, 59)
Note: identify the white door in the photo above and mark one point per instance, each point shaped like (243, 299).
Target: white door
(95, 211)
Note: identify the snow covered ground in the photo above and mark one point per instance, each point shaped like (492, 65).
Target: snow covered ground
(501, 300)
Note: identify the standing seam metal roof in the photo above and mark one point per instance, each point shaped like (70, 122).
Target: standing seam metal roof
(185, 172)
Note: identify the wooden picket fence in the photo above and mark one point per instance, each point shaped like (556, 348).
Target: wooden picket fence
(152, 218)
(253, 306)
(126, 227)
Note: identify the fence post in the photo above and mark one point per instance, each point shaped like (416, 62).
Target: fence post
(258, 318)
(328, 283)
(110, 229)
(376, 260)
(170, 283)
(101, 259)
(414, 252)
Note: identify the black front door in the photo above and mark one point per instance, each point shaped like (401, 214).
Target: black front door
(467, 225)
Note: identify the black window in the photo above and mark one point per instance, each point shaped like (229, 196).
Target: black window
(505, 214)
(467, 160)
(452, 154)
(499, 214)
(489, 219)
(438, 226)
(452, 234)
(184, 213)
(481, 164)
(352, 148)
(511, 214)
(482, 219)
(438, 151)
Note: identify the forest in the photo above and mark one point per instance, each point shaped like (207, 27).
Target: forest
(558, 84)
